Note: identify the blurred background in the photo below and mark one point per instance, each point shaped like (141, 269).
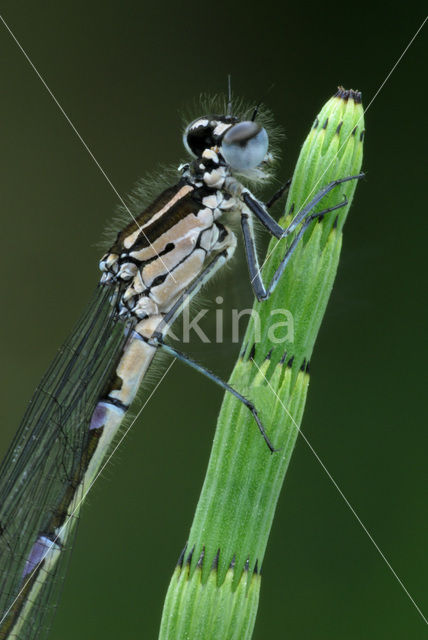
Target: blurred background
(124, 73)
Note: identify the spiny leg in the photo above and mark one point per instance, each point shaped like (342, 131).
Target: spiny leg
(157, 338)
(261, 292)
(157, 341)
(259, 209)
(303, 217)
(278, 194)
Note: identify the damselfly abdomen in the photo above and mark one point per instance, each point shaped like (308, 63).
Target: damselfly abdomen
(158, 262)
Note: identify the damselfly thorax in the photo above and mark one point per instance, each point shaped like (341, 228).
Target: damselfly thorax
(158, 255)
(164, 256)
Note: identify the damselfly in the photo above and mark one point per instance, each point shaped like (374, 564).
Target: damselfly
(157, 263)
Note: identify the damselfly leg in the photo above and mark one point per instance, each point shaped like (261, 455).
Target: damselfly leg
(158, 341)
(278, 194)
(228, 243)
(303, 217)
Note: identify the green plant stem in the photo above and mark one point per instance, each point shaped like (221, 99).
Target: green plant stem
(214, 591)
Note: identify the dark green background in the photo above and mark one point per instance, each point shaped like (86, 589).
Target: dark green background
(123, 73)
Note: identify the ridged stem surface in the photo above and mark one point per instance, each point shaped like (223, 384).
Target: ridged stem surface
(213, 594)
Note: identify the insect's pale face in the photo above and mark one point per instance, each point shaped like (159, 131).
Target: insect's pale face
(242, 144)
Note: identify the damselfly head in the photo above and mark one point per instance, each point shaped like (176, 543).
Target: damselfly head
(245, 145)
(206, 132)
(242, 144)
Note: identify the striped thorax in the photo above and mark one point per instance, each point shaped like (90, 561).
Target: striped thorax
(157, 256)
(166, 254)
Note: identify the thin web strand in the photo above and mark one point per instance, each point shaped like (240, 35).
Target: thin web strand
(345, 499)
(100, 168)
(347, 138)
(71, 515)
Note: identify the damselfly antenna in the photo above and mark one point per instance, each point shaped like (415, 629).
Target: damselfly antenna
(256, 108)
(229, 95)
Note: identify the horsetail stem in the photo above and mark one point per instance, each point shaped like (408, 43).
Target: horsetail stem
(214, 591)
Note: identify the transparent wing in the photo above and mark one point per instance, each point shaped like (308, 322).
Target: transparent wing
(46, 455)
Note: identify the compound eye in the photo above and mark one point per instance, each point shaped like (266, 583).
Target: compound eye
(245, 145)
(198, 136)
